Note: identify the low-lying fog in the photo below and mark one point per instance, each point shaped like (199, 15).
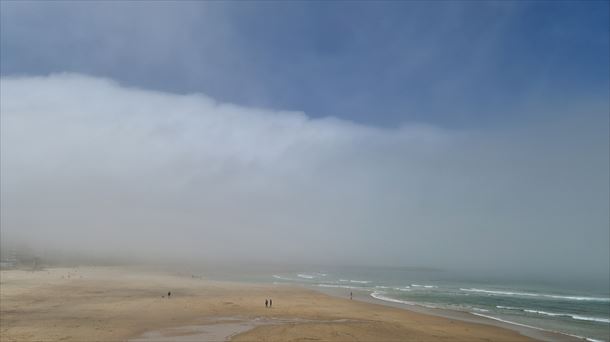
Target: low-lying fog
(90, 168)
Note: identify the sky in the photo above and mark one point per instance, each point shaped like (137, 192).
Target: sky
(443, 134)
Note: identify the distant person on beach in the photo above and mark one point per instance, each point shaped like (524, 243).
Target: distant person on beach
(350, 295)
(270, 303)
(266, 303)
(169, 294)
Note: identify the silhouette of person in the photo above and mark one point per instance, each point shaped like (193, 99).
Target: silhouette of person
(350, 295)
(266, 303)
(169, 294)
(270, 303)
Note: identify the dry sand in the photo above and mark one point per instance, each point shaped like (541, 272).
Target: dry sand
(118, 304)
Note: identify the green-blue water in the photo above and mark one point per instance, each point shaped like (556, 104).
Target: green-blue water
(573, 310)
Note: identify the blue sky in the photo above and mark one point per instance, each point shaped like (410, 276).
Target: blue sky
(453, 64)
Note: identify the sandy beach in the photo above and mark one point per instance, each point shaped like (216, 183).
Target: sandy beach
(123, 304)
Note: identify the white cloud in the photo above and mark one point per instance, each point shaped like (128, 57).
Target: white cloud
(89, 165)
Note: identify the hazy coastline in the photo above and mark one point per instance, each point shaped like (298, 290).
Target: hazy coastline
(449, 298)
(88, 303)
(379, 171)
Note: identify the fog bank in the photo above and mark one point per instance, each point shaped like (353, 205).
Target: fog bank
(92, 167)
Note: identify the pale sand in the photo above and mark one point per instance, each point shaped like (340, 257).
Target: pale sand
(112, 304)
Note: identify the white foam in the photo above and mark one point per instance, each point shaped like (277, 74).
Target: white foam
(529, 294)
(282, 278)
(593, 299)
(340, 286)
(509, 322)
(306, 276)
(425, 286)
(593, 319)
(508, 307)
(480, 310)
(544, 313)
(536, 328)
(379, 295)
(360, 281)
(505, 293)
(573, 316)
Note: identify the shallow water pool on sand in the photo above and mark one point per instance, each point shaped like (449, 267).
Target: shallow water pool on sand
(219, 331)
(222, 329)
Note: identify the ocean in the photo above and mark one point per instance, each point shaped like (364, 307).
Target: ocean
(573, 310)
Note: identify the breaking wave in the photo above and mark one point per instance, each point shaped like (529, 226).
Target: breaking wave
(530, 294)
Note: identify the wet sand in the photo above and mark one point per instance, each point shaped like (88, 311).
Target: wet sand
(121, 304)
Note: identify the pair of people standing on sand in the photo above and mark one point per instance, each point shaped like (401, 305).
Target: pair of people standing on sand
(268, 303)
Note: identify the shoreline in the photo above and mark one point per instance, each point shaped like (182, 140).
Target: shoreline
(464, 316)
(122, 304)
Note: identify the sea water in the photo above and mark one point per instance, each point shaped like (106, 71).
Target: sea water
(573, 310)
